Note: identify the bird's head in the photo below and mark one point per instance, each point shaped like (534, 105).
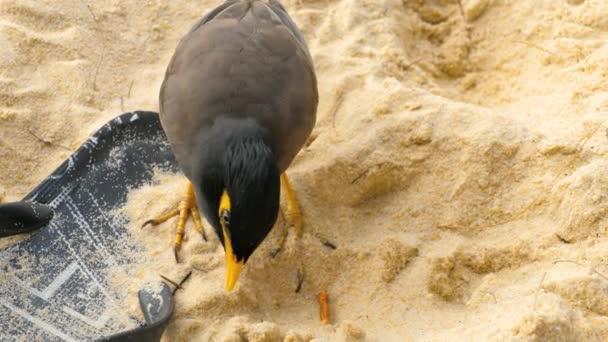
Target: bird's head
(240, 192)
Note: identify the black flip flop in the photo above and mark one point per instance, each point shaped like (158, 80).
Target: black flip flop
(54, 286)
(23, 217)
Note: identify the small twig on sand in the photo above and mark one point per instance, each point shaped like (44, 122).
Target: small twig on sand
(92, 13)
(300, 280)
(328, 244)
(130, 88)
(562, 239)
(90, 10)
(101, 58)
(540, 285)
(336, 106)
(323, 298)
(359, 176)
(534, 46)
(177, 285)
(47, 142)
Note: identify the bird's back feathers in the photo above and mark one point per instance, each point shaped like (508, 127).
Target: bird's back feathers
(244, 60)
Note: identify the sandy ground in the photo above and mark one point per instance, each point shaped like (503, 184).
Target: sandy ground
(458, 163)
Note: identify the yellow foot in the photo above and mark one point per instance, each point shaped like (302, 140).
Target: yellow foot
(292, 213)
(186, 206)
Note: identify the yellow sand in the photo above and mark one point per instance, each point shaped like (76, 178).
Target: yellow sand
(458, 163)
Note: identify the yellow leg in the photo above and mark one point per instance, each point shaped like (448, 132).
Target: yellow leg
(198, 224)
(292, 214)
(162, 218)
(186, 206)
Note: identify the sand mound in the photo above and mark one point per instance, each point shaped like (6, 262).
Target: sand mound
(457, 163)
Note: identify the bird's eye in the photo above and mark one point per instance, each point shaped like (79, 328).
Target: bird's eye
(225, 217)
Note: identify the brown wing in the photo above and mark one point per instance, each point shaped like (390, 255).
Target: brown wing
(243, 61)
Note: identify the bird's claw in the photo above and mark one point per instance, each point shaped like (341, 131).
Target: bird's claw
(175, 255)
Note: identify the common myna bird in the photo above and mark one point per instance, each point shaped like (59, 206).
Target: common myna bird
(238, 102)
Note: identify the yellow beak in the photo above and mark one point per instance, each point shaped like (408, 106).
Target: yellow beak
(233, 266)
(233, 270)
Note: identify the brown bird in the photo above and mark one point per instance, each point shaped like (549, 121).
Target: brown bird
(237, 104)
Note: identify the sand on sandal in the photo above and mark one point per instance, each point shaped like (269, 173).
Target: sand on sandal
(458, 164)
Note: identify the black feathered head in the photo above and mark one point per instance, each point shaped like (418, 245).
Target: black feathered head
(239, 189)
